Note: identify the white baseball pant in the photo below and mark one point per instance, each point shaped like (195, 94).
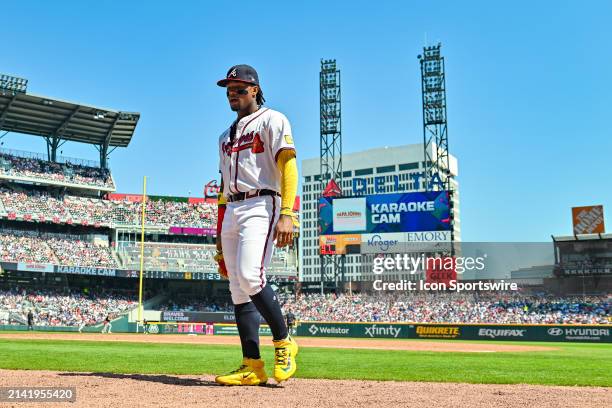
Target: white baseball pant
(247, 239)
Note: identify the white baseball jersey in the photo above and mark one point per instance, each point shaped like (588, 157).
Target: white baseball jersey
(249, 161)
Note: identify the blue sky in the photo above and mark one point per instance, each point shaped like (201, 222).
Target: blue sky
(528, 85)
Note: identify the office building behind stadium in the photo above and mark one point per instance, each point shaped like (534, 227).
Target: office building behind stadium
(402, 168)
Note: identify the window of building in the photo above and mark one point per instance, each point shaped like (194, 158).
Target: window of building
(363, 172)
(347, 173)
(307, 179)
(408, 166)
(385, 169)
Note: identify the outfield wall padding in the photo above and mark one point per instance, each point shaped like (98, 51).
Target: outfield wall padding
(565, 333)
(570, 333)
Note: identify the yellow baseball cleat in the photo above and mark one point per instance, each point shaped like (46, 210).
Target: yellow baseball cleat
(250, 372)
(285, 352)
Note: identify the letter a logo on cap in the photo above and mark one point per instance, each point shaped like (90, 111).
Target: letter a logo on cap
(232, 74)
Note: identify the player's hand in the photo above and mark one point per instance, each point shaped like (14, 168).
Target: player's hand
(283, 233)
(221, 268)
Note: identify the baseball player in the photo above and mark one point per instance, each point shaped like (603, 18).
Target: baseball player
(258, 187)
(291, 322)
(82, 324)
(30, 320)
(107, 325)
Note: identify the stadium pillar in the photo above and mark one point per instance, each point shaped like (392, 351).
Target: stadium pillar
(103, 155)
(53, 143)
(104, 145)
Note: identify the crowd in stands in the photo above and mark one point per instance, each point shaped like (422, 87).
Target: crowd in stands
(170, 257)
(23, 247)
(92, 211)
(56, 308)
(33, 203)
(63, 172)
(451, 308)
(74, 250)
(70, 308)
(495, 308)
(58, 249)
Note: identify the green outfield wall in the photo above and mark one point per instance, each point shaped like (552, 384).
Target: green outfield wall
(514, 332)
(570, 333)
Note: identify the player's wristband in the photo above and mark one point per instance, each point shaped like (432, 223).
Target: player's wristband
(286, 211)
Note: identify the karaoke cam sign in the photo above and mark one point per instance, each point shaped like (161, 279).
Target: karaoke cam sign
(385, 213)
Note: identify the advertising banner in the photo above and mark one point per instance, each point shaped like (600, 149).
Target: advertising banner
(588, 220)
(198, 317)
(134, 198)
(441, 270)
(85, 270)
(34, 267)
(392, 242)
(406, 242)
(232, 330)
(110, 272)
(340, 244)
(367, 330)
(349, 214)
(385, 213)
(192, 231)
(561, 333)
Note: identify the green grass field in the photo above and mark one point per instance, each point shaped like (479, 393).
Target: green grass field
(573, 364)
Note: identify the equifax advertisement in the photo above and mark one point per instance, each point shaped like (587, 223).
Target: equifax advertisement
(384, 213)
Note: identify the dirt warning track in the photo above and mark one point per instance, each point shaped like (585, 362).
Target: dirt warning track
(97, 390)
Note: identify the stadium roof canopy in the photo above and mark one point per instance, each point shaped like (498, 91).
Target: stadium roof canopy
(581, 237)
(69, 121)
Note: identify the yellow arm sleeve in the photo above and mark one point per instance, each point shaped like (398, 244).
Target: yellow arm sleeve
(287, 164)
(221, 200)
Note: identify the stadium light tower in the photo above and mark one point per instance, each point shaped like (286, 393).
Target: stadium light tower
(10, 87)
(12, 84)
(435, 133)
(332, 266)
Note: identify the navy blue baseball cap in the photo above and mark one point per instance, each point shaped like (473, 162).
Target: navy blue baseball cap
(240, 73)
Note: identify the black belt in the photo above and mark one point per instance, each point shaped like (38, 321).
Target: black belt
(257, 193)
